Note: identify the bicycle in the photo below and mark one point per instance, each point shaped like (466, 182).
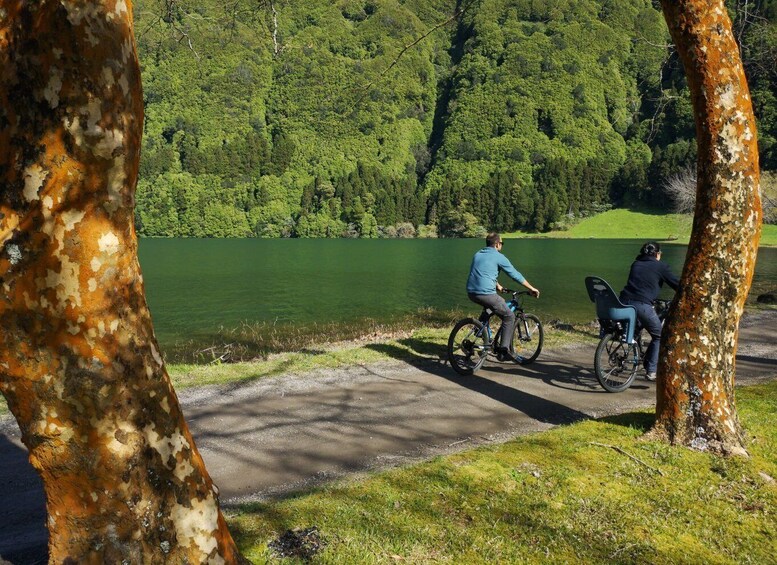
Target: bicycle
(472, 340)
(616, 361)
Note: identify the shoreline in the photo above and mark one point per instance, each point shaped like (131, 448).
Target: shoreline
(406, 343)
(416, 343)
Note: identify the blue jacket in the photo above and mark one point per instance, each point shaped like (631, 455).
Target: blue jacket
(485, 268)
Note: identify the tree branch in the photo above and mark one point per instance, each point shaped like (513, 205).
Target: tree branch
(456, 15)
(619, 450)
(275, 46)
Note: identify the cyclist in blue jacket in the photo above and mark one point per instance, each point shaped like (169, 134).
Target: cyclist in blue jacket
(482, 286)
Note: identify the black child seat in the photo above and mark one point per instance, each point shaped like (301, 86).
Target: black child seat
(609, 308)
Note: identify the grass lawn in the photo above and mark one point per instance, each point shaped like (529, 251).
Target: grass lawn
(769, 235)
(624, 224)
(562, 496)
(628, 224)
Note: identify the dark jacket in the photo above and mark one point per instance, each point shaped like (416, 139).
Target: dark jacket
(646, 277)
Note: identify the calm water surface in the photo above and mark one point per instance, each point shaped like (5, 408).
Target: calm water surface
(194, 287)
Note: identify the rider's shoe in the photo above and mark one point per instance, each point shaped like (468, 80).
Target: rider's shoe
(650, 376)
(504, 354)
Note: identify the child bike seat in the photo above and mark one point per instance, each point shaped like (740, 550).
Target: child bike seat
(609, 307)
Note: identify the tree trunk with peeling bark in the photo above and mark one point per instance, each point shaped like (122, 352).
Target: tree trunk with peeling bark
(695, 395)
(79, 364)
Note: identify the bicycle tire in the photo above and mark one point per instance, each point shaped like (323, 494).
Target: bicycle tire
(616, 363)
(527, 339)
(467, 346)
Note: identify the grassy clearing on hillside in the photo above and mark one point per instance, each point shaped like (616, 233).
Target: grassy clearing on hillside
(633, 224)
(624, 224)
(769, 235)
(551, 497)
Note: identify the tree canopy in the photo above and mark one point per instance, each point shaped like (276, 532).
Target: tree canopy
(315, 119)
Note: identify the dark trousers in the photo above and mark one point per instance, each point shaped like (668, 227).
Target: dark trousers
(501, 309)
(648, 319)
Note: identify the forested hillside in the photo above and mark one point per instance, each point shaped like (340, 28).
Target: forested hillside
(367, 118)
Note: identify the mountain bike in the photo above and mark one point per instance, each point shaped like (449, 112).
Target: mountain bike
(473, 340)
(616, 361)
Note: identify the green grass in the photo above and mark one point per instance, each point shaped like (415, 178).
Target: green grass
(262, 340)
(248, 353)
(635, 224)
(624, 224)
(769, 235)
(416, 346)
(551, 497)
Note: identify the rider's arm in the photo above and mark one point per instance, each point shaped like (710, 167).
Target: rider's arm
(671, 279)
(533, 290)
(508, 268)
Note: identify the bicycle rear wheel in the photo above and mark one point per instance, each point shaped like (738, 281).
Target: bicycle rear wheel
(527, 339)
(467, 346)
(615, 363)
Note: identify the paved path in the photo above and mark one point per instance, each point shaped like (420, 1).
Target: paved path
(273, 436)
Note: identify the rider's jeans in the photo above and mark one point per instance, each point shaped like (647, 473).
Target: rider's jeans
(500, 308)
(648, 319)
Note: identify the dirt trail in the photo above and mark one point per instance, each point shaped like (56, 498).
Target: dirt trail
(277, 435)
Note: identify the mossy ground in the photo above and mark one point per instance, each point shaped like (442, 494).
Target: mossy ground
(563, 496)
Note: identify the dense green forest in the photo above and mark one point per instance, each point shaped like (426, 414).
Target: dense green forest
(402, 118)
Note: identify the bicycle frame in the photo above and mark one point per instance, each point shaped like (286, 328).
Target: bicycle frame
(515, 305)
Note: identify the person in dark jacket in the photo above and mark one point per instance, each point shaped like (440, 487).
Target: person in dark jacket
(482, 287)
(646, 277)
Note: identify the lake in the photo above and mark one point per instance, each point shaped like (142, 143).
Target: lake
(195, 286)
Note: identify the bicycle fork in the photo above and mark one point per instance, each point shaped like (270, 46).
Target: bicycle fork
(523, 324)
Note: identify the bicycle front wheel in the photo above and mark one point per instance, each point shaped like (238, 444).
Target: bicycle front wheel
(467, 346)
(527, 338)
(616, 363)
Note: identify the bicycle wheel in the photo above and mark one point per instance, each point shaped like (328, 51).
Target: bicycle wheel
(467, 346)
(616, 363)
(527, 338)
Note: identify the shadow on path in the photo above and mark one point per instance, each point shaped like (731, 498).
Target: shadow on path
(538, 408)
(757, 360)
(431, 357)
(23, 534)
(641, 421)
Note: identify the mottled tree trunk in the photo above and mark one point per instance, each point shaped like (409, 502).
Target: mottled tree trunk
(695, 397)
(79, 364)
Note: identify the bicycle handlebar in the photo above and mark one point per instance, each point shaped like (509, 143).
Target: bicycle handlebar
(516, 292)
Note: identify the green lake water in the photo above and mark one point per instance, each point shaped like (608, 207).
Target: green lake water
(196, 286)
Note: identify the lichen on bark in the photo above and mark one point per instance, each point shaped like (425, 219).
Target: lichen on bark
(696, 373)
(79, 364)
